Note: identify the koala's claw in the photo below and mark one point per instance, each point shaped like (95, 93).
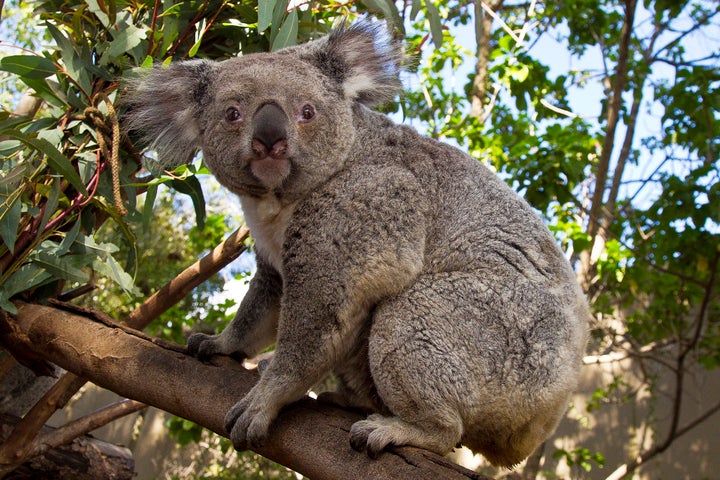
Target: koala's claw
(370, 435)
(247, 424)
(201, 346)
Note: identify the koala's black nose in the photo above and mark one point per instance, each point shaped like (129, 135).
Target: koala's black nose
(269, 125)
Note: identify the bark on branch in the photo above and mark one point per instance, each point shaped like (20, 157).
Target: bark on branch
(308, 437)
(23, 441)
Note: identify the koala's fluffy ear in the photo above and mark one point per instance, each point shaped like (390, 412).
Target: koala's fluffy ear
(164, 105)
(364, 60)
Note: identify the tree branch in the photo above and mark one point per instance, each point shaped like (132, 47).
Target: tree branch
(308, 437)
(20, 444)
(84, 425)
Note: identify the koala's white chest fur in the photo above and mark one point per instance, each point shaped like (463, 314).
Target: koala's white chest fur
(268, 219)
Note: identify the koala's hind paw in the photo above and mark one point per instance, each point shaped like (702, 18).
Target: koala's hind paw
(247, 424)
(372, 435)
(378, 432)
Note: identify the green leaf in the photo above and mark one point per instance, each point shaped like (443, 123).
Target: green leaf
(123, 41)
(147, 213)
(287, 35)
(506, 43)
(278, 14)
(10, 216)
(109, 267)
(191, 187)
(53, 200)
(55, 159)
(98, 8)
(415, 9)
(6, 305)
(519, 73)
(265, 11)
(387, 8)
(103, 262)
(60, 267)
(111, 210)
(196, 46)
(435, 23)
(9, 147)
(89, 245)
(70, 237)
(46, 90)
(28, 66)
(28, 276)
(78, 63)
(8, 121)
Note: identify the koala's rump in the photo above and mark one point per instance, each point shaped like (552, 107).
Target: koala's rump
(495, 357)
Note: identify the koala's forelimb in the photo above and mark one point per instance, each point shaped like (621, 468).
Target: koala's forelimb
(255, 321)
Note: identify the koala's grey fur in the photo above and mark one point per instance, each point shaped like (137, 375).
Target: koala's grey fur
(434, 292)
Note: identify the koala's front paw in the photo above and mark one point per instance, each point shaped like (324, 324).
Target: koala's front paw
(248, 423)
(202, 346)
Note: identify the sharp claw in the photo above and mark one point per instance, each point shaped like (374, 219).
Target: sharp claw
(357, 444)
(373, 453)
(240, 446)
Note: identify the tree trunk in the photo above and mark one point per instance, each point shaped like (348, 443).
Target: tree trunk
(595, 216)
(308, 437)
(483, 32)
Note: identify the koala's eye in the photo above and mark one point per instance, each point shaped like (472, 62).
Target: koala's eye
(233, 115)
(307, 113)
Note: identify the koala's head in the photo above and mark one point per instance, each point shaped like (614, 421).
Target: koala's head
(277, 121)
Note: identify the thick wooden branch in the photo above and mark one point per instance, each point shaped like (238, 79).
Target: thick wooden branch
(23, 440)
(308, 437)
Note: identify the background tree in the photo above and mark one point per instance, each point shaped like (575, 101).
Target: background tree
(628, 181)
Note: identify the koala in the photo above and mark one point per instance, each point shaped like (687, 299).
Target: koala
(434, 293)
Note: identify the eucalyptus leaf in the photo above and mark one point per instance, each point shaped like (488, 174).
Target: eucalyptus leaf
(10, 220)
(110, 268)
(60, 267)
(147, 212)
(287, 35)
(69, 239)
(123, 41)
(265, 11)
(53, 200)
(277, 18)
(415, 9)
(100, 13)
(191, 187)
(29, 275)
(433, 16)
(28, 66)
(55, 159)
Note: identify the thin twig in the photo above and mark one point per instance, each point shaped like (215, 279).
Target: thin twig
(84, 425)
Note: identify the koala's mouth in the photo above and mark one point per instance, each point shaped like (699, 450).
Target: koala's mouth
(270, 171)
